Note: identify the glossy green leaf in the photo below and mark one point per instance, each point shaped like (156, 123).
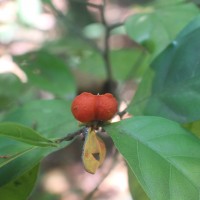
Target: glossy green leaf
(156, 29)
(164, 157)
(174, 92)
(47, 72)
(20, 188)
(23, 134)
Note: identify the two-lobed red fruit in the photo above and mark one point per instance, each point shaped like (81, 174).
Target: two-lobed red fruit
(87, 107)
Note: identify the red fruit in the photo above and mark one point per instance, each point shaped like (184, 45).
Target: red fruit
(88, 107)
(106, 107)
(83, 107)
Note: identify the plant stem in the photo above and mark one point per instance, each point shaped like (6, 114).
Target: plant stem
(113, 26)
(71, 136)
(106, 51)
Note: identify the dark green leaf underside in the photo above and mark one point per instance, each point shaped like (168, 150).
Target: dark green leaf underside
(171, 88)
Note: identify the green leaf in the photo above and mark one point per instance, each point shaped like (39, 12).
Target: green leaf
(47, 72)
(20, 188)
(164, 157)
(126, 63)
(166, 3)
(193, 127)
(51, 118)
(10, 89)
(155, 30)
(19, 161)
(46, 1)
(136, 190)
(74, 47)
(194, 24)
(17, 167)
(174, 92)
(94, 31)
(10, 157)
(23, 134)
(137, 106)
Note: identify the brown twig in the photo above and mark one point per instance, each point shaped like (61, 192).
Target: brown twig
(71, 136)
(115, 25)
(106, 51)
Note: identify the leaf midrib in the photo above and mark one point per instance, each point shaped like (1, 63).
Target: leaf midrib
(17, 155)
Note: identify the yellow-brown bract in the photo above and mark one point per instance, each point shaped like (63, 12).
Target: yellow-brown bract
(94, 151)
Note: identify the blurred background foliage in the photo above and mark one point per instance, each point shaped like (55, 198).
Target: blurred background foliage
(53, 50)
